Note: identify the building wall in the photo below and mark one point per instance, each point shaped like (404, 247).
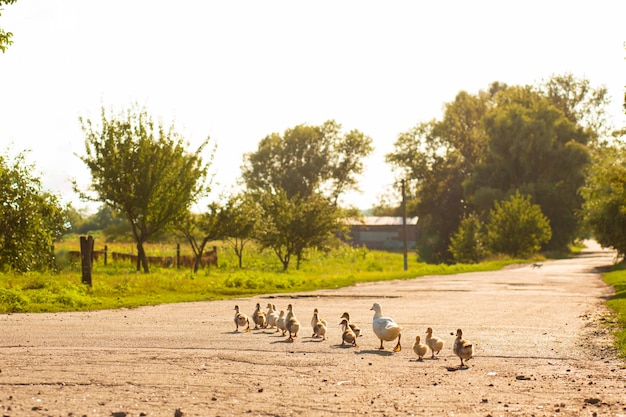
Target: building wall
(383, 237)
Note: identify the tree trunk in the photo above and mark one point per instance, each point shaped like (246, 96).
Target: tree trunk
(141, 258)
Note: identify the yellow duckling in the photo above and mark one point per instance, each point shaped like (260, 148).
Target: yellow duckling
(462, 348)
(291, 323)
(419, 348)
(241, 319)
(314, 319)
(271, 316)
(356, 329)
(434, 343)
(319, 329)
(280, 322)
(258, 317)
(348, 335)
(385, 328)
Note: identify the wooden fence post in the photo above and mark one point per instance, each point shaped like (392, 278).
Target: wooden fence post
(106, 250)
(178, 256)
(86, 253)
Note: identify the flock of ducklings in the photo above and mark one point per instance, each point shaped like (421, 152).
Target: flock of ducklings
(385, 328)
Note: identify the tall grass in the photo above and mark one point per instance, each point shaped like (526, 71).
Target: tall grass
(118, 284)
(617, 278)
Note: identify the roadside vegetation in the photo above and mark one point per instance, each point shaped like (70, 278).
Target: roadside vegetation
(617, 279)
(118, 284)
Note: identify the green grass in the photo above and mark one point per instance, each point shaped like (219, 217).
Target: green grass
(617, 278)
(117, 284)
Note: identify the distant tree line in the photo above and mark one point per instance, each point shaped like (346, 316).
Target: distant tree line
(511, 169)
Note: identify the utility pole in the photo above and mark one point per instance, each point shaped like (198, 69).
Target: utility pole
(406, 260)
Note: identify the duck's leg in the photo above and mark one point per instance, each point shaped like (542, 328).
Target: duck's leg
(398, 348)
(381, 345)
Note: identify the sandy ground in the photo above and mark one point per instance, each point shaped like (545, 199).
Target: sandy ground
(543, 348)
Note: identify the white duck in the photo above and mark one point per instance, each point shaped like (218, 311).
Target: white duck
(271, 316)
(419, 348)
(241, 319)
(280, 323)
(356, 329)
(385, 328)
(348, 335)
(462, 348)
(434, 343)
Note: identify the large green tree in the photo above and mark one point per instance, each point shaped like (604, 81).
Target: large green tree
(297, 179)
(605, 198)
(308, 160)
(5, 37)
(31, 219)
(143, 170)
(531, 138)
(534, 148)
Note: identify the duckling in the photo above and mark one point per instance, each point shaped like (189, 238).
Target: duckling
(348, 335)
(241, 319)
(356, 329)
(258, 317)
(291, 323)
(271, 315)
(385, 328)
(419, 348)
(319, 329)
(462, 348)
(280, 323)
(314, 319)
(434, 343)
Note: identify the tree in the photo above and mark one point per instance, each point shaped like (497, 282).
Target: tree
(5, 37)
(534, 148)
(517, 227)
(31, 219)
(307, 160)
(143, 170)
(290, 226)
(200, 229)
(467, 245)
(604, 209)
(241, 215)
(297, 179)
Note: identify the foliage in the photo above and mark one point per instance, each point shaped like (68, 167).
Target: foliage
(517, 227)
(143, 171)
(290, 226)
(605, 198)
(468, 244)
(5, 37)
(31, 219)
(307, 160)
(534, 139)
(242, 215)
(533, 148)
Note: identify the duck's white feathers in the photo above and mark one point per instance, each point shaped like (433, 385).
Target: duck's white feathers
(280, 322)
(385, 328)
(271, 315)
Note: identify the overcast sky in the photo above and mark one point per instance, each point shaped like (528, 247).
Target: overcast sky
(239, 70)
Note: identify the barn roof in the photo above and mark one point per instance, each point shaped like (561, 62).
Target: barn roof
(381, 221)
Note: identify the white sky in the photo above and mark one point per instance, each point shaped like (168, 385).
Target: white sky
(239, 70)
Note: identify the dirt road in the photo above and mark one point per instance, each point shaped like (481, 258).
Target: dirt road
(541, 349)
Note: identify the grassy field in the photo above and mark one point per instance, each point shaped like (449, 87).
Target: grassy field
(118, 284)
